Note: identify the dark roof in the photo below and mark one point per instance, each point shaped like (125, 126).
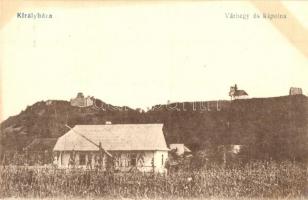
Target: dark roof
(41, 144)
(240, 93)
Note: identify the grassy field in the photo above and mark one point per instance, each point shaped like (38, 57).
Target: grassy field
(258, 180)
(97, 198)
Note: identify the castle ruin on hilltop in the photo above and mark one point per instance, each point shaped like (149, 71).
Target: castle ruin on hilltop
(81, 101)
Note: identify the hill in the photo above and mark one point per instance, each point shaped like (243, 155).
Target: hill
(274, 127)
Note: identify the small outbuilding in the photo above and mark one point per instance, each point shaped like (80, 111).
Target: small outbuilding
(179, 149)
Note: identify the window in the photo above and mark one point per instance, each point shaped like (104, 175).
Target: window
(117, 160)
(82, 159)
(61, 159)
(89, 162)
(133, 159)
(127, 160)
(162, 159)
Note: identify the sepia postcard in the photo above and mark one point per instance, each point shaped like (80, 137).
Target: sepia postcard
(153, 99)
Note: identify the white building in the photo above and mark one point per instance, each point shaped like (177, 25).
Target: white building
(235, 93)
(179, 149)
(132, 146)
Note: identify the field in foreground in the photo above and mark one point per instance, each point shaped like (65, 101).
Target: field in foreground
(258, 180)
(212, 198)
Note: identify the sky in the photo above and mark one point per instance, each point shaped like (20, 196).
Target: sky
(142, 54)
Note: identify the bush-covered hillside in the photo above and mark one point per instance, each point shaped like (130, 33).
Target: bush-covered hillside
(274, 128)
